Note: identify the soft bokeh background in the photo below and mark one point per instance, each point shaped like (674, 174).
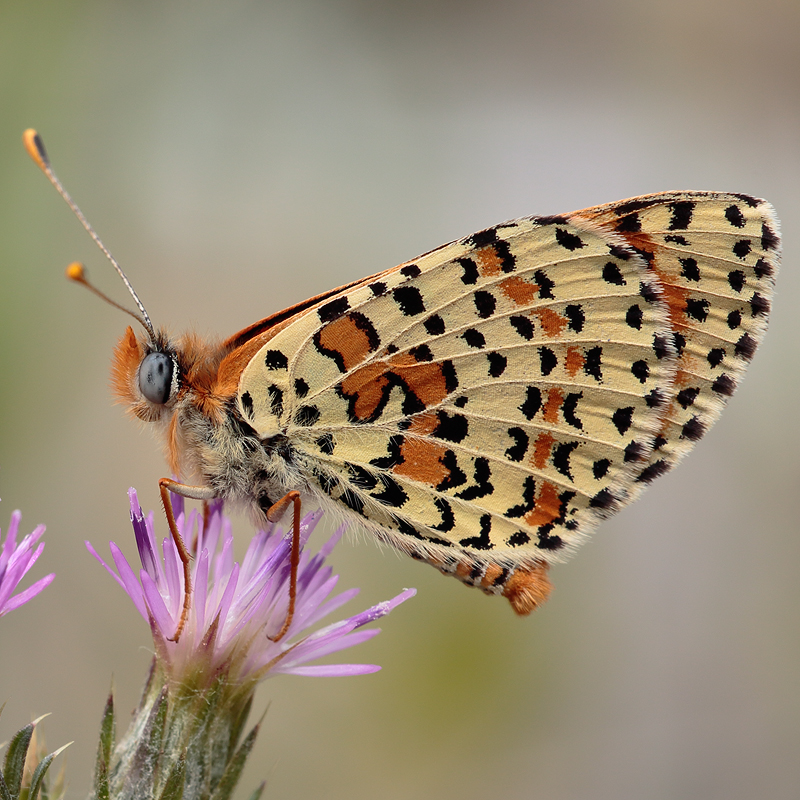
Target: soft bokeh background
(240, 156)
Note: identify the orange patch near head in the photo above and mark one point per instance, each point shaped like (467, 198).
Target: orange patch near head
(345, 337)
(542, 448)
(547, 507)
(519, 291)
(555, 398)
(552, 323)
(124, 366)
(574, 361)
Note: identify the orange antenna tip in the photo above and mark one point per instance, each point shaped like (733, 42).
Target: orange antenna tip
(35, 147)
(76, 272)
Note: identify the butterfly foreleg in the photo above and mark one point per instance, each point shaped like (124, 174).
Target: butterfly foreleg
(204, 493)
(274, 513)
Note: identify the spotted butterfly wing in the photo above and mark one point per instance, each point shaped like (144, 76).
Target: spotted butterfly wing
(482, 407)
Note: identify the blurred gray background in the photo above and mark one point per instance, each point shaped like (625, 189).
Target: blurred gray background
(240, 156)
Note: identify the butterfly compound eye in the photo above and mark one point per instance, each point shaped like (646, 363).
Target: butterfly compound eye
(155, 377)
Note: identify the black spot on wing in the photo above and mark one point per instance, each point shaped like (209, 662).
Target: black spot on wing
(634, 452)
(653, 471)
(724, 385)
(378, 288)
(561, 456)
(742, 248)
(769, 239)
(763, 269)
(547, 360)
(391, 494)
(334, 309)
(686, 397)
(448, 517)
(746, 347)
(545, 284)
(736, 280)
(410, 271)
(622, 419)
(641, 371)
(474, 338)
(470, 274)
(569, 407)
(326, 443)
(409, 299)
(247, 404)
(734, 215)
(681, 215)
(576, 317)
(497, 364)
(485, 304)
(629, 224)
(569, 241)
(759, 306)
(482, 540)
(693, 429)
(689, 269)
(612, 274)
(275, 359)
(533, 402)
(517, 450)
(306, 416)
(523, 326)
(451, 427)
(634, 317)
(275, 399)
(481, 487)
(697, 309)
(676, 239)
(593, 364)
(528, 499)
(300, 387)
(434, 325)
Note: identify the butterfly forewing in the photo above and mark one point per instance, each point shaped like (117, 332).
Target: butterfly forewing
(490, 401)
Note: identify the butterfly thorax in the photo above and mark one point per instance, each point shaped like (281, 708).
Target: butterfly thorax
(206, 440)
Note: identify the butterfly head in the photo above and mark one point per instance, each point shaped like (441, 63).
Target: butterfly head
(146, 374)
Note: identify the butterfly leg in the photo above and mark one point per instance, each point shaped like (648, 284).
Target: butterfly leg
(274, 513)
(204, 493)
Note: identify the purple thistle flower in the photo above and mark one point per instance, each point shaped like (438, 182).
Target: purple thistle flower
(15, 561)
(235, 608)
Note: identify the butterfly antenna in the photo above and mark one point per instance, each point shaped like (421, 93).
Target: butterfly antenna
(35, 147)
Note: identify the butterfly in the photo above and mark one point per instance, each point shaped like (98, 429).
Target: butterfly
(484, 406)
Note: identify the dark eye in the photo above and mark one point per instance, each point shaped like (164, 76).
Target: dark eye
(155, 377)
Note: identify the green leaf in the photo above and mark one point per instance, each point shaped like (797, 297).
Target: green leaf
(5, 794)
(140, 776)
(233, 770)
(173, 788)
(104, 749)
(15, 758)
(41, 769)
(259, 791)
